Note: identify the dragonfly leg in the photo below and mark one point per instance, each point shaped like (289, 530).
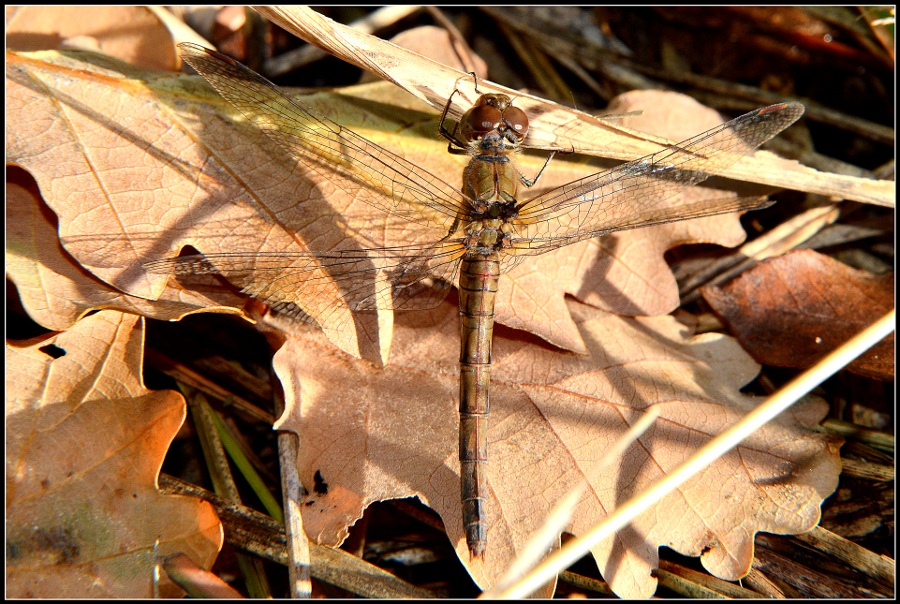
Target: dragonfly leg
(475, 77)
(453, 228)
(456, 145)
(533, 181)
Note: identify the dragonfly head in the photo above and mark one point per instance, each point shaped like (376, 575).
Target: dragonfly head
(494, 113)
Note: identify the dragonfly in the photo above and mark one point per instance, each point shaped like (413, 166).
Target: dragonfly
(486, 227)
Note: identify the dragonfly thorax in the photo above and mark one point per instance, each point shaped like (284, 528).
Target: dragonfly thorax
(486, 235)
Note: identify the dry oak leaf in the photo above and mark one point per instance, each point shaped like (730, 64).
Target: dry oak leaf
(135, 34)
(55, 290)
(792, 310)
(440, 45)
(373, 434)
(164, 165)
(84, 445)
(168, 164)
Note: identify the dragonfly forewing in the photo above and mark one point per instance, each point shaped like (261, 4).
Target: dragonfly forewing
(643, 217)
(377, 176)
(616, 199)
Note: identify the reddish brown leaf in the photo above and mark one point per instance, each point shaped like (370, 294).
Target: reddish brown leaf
(792, 310)
(85, 442)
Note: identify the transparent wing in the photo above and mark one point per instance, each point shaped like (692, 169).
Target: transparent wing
(642, 217)
(632, 194)
(356, 165)
(402, 278)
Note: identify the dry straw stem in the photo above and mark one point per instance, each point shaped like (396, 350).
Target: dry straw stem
(299, 563)
(717, 447)
(880, 568)
(786, 236)
(873, 438)
(195, 580)
(553, 126)
(307, 54)
(264, 537)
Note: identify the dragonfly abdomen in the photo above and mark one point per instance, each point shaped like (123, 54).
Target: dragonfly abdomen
(477, 290)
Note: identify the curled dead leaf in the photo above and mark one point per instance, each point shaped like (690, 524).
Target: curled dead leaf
(553, 126)
(56, 291)
(792, 310)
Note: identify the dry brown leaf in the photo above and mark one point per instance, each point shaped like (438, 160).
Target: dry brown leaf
(55, 290)
(170, 168)
(552, 126)
(438, 44)
(373, 434)
(792, 310)
(131, 33)
(85, 442)
(150, 139)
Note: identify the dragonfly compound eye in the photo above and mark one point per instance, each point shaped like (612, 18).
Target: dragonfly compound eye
(516, 120)
(498, 101)
(478, 121)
